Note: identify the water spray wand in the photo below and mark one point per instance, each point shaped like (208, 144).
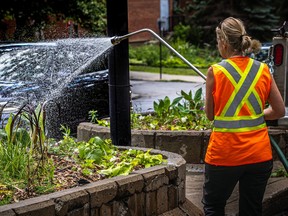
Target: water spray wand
(117, 39)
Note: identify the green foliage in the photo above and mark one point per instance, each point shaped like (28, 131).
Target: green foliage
(185, 112)
(65, 147)
(93, 116)
(281, 172)
(5, 194)
(130, 159)
(26, 166)
(13, 162)
(102, 153)
(200, 18)
(17, 138)
(181, 32)
(149, 55)
(23, 151)
(174, 71)
(103, 122)
(91, 14)
(33, 16)
(95, 149)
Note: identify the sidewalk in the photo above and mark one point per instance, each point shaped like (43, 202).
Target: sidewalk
(136, 75)
(275, 198)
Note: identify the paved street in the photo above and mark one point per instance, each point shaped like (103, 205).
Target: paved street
(147, 88)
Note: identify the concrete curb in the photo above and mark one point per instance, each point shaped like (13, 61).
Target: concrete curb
(137, 75)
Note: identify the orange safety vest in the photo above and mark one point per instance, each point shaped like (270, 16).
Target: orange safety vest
(240, 135)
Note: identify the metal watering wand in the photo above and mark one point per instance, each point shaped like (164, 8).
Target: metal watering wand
(117, 39)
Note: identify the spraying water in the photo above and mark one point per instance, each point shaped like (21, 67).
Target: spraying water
(67, 73)
(49, 67)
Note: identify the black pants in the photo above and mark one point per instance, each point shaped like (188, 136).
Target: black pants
(221, 180)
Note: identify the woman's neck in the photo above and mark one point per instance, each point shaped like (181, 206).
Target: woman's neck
(234, 54)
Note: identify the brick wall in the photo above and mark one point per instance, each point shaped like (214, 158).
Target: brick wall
(144, 14)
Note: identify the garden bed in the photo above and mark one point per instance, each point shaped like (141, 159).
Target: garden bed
(190, 144)
(150, 191)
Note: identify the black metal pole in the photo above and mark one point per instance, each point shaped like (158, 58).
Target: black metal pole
(160, 50)
(119, 81)
(160, 47)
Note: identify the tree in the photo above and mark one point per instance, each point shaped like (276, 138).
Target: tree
(29, 15)
(282, 10)
(259, 17)
(32, 16)
(90, 14)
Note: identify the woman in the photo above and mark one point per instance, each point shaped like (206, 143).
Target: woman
(239, 148)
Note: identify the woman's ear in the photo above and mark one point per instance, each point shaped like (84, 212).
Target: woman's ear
(224, 44)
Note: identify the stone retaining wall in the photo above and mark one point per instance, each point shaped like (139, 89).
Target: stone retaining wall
(151, 191)
(191, 145)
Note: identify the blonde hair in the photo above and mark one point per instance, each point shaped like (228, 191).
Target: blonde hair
(232, 31)
(255, 46)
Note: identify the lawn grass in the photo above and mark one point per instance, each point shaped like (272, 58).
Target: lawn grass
(176, 71)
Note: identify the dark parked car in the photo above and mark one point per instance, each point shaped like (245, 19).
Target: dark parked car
(70, 75)
(263, 54)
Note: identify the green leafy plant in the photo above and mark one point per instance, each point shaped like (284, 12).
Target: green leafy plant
(281, 172)
(23, 151)
(103, 122)
(66, 146)
(95, 149)
(31, 164)
(185, 112)
(97, 152)
(129, 160)
(93, 116)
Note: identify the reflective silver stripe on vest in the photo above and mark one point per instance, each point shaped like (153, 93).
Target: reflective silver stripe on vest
(239, 123)
(244, 122)
(236, 76)
(252, 99)
(244, 88)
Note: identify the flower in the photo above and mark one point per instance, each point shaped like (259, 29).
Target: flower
(184, 119)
